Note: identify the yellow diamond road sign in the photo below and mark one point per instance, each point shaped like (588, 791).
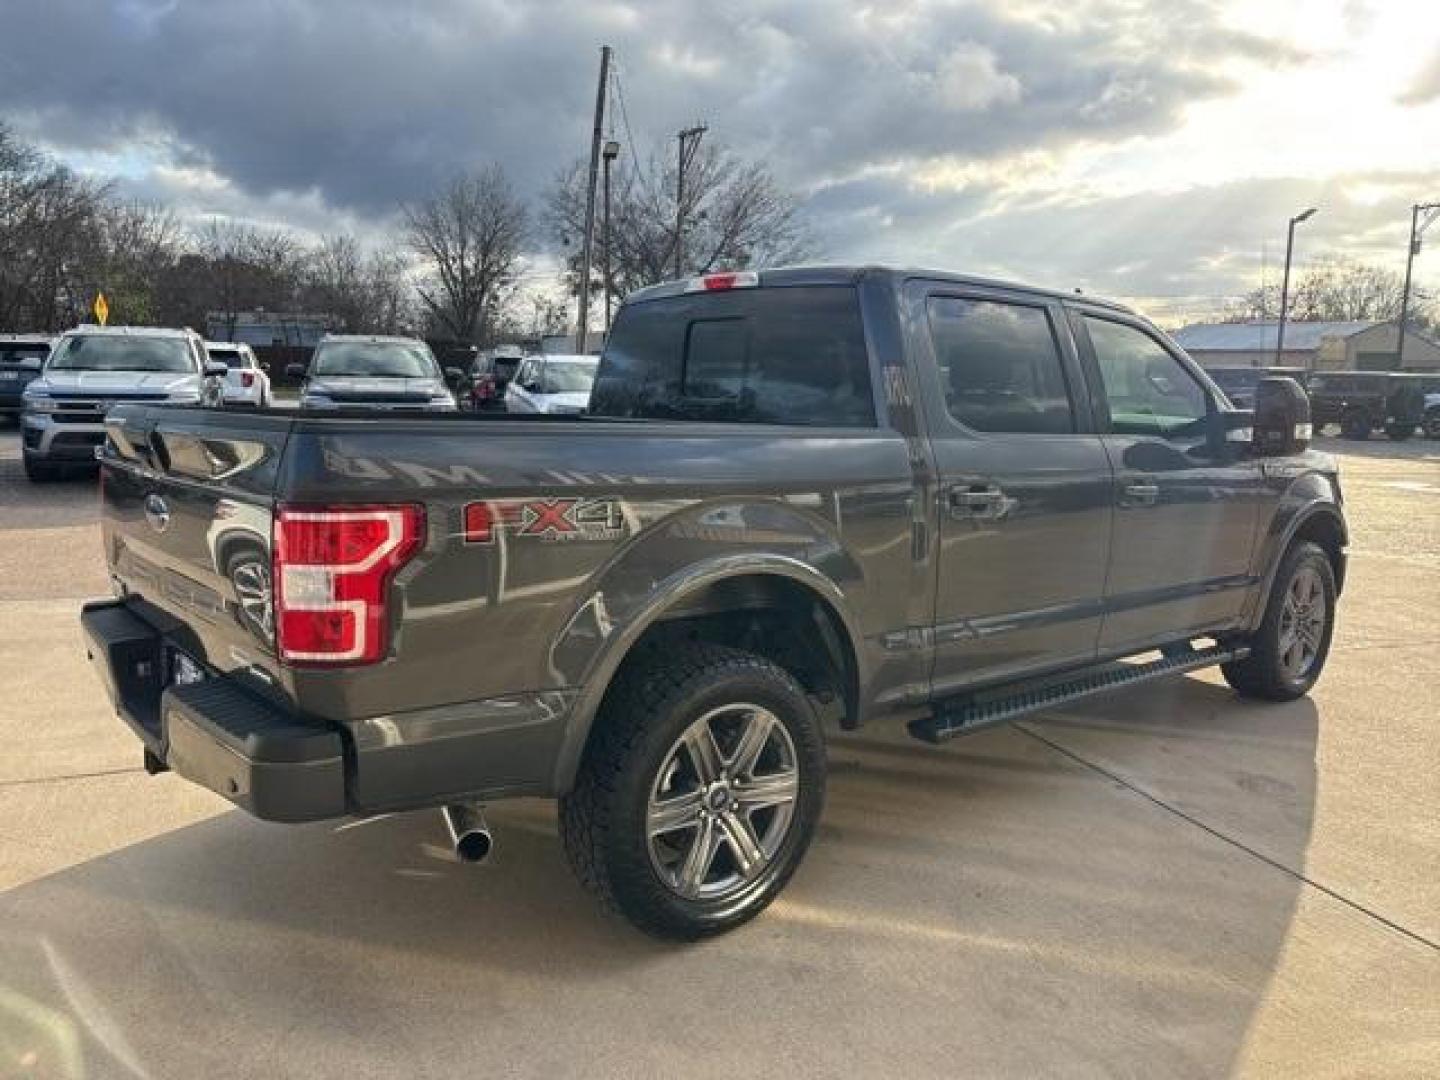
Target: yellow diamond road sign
(102, 308)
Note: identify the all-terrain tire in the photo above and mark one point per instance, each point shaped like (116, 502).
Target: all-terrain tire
(1355, 424)
(1264, 674)
(660, 696)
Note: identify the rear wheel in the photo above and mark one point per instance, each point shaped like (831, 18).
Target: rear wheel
(1355, 424)
(1288, 652)
(1432, 424)
(699, 792)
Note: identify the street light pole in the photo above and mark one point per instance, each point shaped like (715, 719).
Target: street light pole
(582, 322)
(1417, 230)
(611, 152)
(1285, 286)
(689, 146)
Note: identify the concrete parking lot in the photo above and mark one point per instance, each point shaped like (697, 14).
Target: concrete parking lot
(1167, 883)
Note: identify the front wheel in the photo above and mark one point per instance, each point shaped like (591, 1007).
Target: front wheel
(1355, 424)
(699, 792)
(1399, 431)
(1432, 424)
(1288, 652)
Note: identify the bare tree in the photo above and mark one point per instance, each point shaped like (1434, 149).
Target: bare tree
(1338, 289)
(246, 268)
(361, 293)
(736, 216)
(469, 238)
(49, 235)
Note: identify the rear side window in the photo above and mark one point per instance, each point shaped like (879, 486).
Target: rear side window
(762, 356)
(1000, 366)
(28, 355)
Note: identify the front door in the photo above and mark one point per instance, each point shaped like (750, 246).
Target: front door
(1186, 502)
(1024, 487)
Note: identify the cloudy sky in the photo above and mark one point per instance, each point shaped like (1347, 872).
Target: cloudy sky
(1150, 149)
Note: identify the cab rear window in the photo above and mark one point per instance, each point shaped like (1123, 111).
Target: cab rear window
(792, 355)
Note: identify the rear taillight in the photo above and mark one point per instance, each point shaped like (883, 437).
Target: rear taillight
(247, 378)
(485, 387)
(332, 571)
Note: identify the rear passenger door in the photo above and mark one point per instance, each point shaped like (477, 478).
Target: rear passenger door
(1187, 502)
(1025, 487)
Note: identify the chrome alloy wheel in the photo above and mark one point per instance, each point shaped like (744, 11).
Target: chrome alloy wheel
(1302, 623)
(723, 802)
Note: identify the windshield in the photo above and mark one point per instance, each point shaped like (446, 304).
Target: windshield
(390, 359)
(30, 355)
(231, 358)
(96, 353)
(567, 377)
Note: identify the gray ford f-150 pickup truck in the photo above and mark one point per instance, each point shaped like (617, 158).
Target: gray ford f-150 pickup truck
(799, 497)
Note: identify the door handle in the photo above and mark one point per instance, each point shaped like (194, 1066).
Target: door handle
(1139, 493)
(978, 502)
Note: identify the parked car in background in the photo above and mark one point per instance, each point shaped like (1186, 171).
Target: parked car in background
(1362, 402)
(552, 384)
(350, 371)
(92, 368)
(491, 375)
(247, 380)
(1239, 383)
(21, 358)
(799, 497)
(1430, 386)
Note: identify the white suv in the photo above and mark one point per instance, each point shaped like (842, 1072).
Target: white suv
(92, 368)
(247, 381)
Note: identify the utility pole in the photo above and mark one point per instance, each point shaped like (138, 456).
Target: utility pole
(610, 153)
(583, 320)
(1417, 230)
(1285, 285)
(689, 146)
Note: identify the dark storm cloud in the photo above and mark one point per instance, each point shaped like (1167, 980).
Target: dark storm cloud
(371, 102)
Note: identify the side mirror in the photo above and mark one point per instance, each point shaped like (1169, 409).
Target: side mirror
(295, 371)
(215, 369)
(1282, 418)
(265, 367)
(454, 376)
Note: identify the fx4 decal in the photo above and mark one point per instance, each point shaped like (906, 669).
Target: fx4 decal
(544, 519)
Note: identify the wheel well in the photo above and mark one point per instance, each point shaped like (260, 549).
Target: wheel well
(774, 617)
(1326, 530)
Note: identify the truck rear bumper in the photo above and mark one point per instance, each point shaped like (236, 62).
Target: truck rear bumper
(213, 732)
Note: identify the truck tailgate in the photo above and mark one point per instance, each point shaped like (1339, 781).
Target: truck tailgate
(187, 499)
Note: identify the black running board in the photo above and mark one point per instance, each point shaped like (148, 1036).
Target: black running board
(961, 715)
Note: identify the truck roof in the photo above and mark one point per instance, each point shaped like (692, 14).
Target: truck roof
(850, 274)
(27, 339)
(89, 329)
(397, 339)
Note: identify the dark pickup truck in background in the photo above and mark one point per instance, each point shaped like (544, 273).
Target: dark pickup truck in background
(801, 496)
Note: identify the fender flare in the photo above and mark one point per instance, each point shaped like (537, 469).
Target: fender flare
(665, 596)
(1315, 508)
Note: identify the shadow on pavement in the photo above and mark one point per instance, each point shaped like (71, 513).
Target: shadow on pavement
(993, 907)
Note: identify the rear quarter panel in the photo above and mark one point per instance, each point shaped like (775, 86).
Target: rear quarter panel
(597, 521)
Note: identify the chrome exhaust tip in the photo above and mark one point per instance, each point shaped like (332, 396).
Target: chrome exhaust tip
(469, 832)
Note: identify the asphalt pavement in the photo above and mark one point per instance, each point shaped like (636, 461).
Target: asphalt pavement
(1164, 883)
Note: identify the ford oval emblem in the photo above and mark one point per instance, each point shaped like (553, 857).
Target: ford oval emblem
(157, 513)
